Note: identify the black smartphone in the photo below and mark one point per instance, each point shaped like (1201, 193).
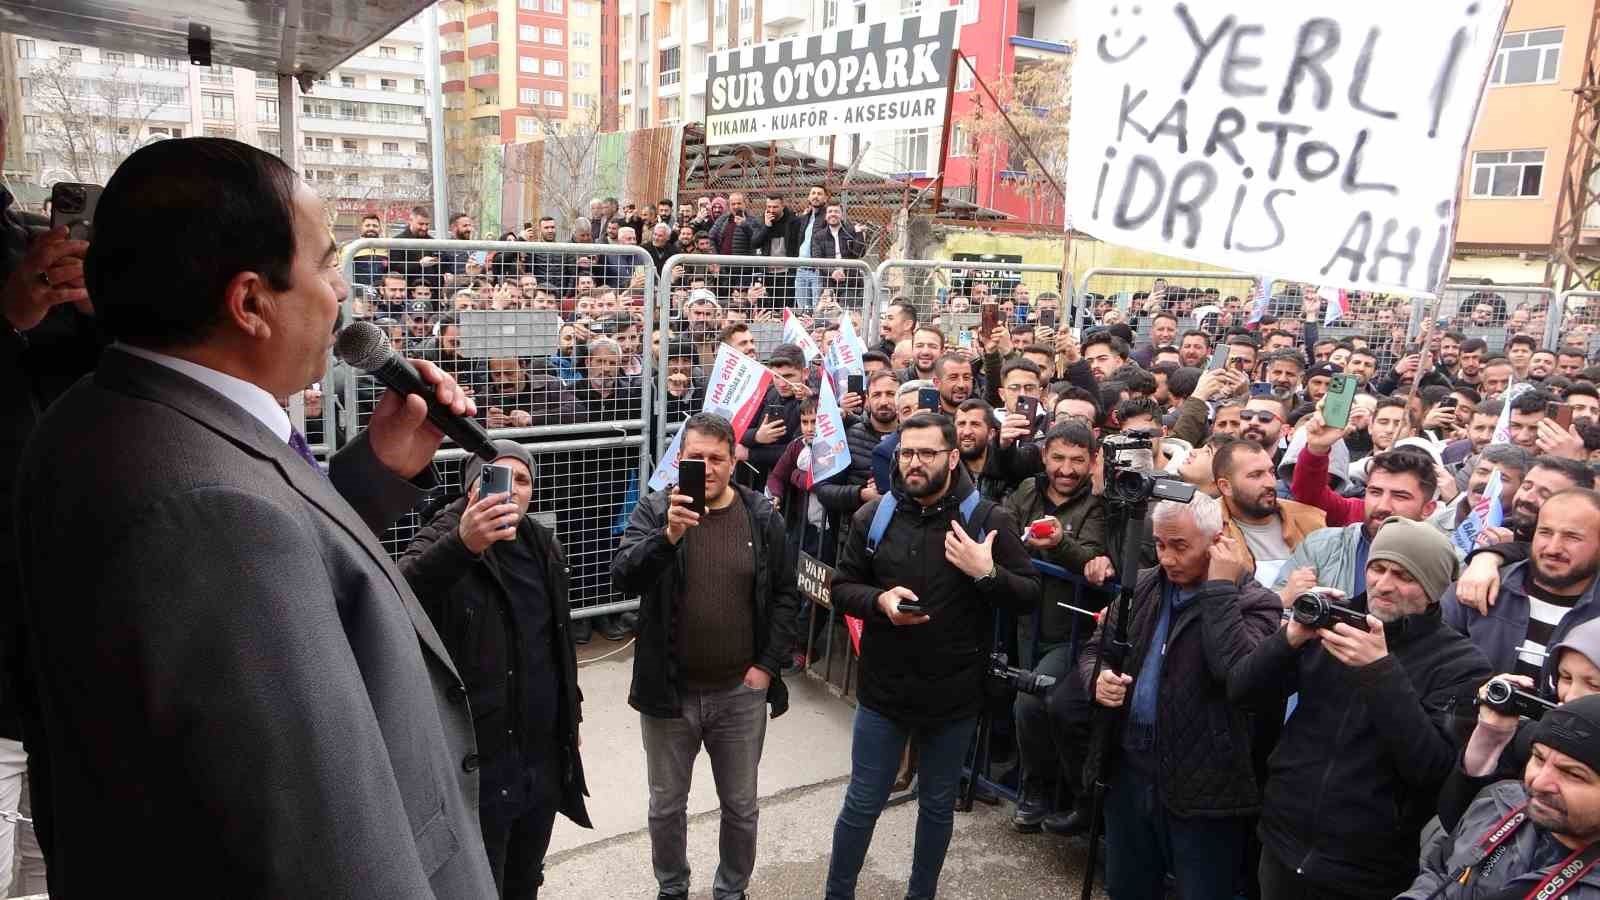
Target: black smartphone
(1560, 413)
(73, 204)
(1047, 317)
(910, 608)
(1028, 408)
(928, 399)
(494, 480)
(692, 483)
(855, 384)
(1448, 402)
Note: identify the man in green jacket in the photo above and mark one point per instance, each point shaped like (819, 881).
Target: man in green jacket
(1064, 527)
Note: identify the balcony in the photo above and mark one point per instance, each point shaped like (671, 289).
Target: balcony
(415, 129)
(786, 12)
(350, 160)
(366, 95)
(404, 64)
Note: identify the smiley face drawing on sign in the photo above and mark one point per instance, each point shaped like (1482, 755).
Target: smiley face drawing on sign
(1105, 40)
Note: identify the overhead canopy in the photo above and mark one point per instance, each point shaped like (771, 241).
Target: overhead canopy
(282, 36)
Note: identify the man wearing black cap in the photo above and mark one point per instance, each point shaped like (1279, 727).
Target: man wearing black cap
(494, 582)
(1539, 837)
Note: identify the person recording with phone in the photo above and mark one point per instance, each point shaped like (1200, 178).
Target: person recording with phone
(924, 568)
(717, 614)
(1376, 679)
(494, 582)
(1182, 786)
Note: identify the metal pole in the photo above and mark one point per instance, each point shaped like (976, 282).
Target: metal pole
(288, 141)
(944, 131)
(430, 49)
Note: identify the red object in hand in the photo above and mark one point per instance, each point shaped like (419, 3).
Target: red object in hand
(1042, 528)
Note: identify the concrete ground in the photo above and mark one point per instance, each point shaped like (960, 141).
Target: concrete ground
(803, 775)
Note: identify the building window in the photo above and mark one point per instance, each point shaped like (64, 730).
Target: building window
(219, 131)
(217, 106)
(387, 52)
(958, 140)
(553, 98)
(528, 65)
(74, 54)
(910, 7)
(347, 81)
(350, 111)
(266, 110)
(270, 141)
(32, 124)
(527, 126)
(352, 178)
(582, 101)
(483, 34)
(553, 68)
(670, 58)
(528, 5)
(178, 132)
(552, 6)
(486, 65)
(1507, 173)
(161, 62)
(388, 84)
(113, 58)
(1528, 57)
(391, 147)
(482, 97)
(25, 87)
(583, 9)
(485, 126)
(581, 39)
(26, 49)
(528, 34)
(720, 14)
(580, 70)
(747, 11)
(830, 13)
(911, 150)
(391, 180)
(528, 96)
(323, 144)
(419, 86)
(348, 146)
(964, 72)
(552, 36)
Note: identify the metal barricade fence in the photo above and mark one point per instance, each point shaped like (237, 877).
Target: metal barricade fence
(1494, 313)
(1577, 316)
(549, 341)
(1133, 296)
(950, 294)
(699, 295)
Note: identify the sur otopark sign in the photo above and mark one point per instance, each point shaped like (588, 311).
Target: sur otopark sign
(887, 75)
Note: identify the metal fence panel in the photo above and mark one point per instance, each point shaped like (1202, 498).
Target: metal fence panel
(949, 293)
(1576, 316)
(1133, 296)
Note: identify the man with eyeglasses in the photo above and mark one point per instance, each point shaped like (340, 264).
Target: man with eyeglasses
(922, 671)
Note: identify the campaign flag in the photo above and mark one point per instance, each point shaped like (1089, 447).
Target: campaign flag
(853, 625)
(845, 352)
(1502, 428)
(794, 332)
(738, 385)
(1486, 513)
(1338, 304)
(1259, 300)
(830, 452)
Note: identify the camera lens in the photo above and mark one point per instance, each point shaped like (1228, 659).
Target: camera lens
(1309, 608)
(1497, 692)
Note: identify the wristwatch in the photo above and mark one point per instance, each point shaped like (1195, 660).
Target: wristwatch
(987, 580)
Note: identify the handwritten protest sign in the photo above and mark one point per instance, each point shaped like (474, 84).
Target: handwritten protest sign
(1317, 142)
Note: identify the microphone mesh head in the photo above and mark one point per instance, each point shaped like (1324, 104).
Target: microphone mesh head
(362, 345)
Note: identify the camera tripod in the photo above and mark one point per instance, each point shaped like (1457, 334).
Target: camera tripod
(1018, 679)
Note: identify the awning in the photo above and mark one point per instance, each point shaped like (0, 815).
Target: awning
(275, 36)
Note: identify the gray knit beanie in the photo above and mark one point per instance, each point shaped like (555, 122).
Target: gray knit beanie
(503, 449)
(1421, 549)
(1584, 639)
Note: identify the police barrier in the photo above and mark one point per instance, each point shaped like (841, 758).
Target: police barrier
(1031, 299)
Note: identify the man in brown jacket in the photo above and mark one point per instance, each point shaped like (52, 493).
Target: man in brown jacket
(1268, 527)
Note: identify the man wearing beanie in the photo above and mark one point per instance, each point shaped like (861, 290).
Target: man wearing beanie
(1537, 837)
(1360, 761)
(494, 582)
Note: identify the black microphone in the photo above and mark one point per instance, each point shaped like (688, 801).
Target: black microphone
(363, 345)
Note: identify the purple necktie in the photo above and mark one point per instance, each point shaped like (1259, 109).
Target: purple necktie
(297, 443)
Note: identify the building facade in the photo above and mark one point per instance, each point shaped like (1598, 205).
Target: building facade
(362, 129)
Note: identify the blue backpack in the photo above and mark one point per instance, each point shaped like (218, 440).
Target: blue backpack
(885, 512)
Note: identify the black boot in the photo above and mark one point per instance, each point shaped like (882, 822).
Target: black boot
(1072, 821)
(1033, 806)
(612, 628)
(582, 629)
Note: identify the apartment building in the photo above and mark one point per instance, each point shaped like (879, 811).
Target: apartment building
(362, 128)
(514, 68)
(663, 46)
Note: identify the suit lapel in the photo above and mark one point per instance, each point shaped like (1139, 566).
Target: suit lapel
(131, 375)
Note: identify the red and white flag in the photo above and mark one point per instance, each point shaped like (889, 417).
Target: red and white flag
(1338, 300)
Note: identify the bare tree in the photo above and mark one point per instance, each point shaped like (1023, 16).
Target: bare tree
(88, 126)
(1037, 101)
(566, 176)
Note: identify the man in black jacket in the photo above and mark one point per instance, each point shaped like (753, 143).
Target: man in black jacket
(1367, 745)
(838, 240)
(716, 624)
(772, 238)
(803, 228)
(1182, 792)
(494, 582)
(956, 557)
(849, 490)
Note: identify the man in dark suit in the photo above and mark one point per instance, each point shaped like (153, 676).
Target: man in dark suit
(219, 655)
(837, 240)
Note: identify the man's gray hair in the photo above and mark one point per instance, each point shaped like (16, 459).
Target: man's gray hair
(605, 343)
(912, 386)
(1205, 510)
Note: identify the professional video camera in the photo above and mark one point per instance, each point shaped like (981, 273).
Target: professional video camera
(1020, 680)
(1129, 461)
(1504, 696)
(1318, 608)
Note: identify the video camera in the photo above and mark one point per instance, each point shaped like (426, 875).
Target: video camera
(1129, 461)
(1020, 680)
(1318, 608)
(1504, 696)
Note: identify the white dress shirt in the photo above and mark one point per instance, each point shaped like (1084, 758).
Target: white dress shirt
(248, 397)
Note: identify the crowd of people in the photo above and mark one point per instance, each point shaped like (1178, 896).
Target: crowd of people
(1320, 643)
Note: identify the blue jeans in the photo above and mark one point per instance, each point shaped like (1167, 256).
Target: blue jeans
(807, 285)
(875, 748)
(1144, 842)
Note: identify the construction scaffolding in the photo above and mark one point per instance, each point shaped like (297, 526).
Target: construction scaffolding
(1572, 263)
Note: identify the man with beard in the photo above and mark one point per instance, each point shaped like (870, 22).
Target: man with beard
(1570, 362)
(1105, 353)
(1072, 532)
(1542, 598)
(1513, 463)
(1163, 331)
(1584, 399)
(1469, 361)
(1542, 364)
(899, 321)
(416, 264)
(1262, 423)
(1195, 351)
(1284, 370)
(454, 262)
(371, 264)
(927, 345)
(952, 375)
(1400, 483)
(849, 490)
(803, 228)
(977, 436)
(923, 671)
(1252, 515)
(1495, 377)
(1360, 761)
(1559, 794)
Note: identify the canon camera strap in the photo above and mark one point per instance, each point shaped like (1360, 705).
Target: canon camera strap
(1561, 878)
